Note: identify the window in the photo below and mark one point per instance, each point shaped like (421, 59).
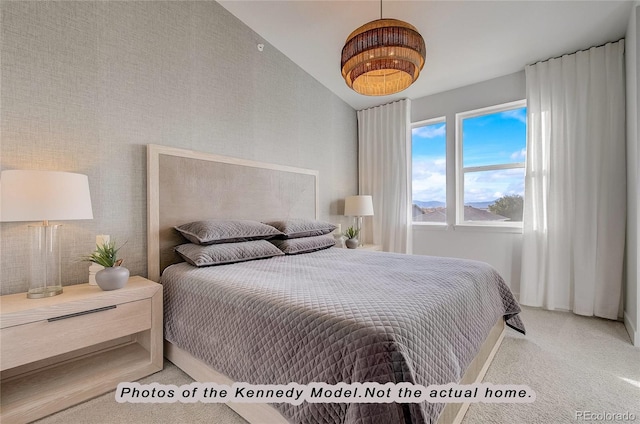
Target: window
(428, 167)
(490, 159)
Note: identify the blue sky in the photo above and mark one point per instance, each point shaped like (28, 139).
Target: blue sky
(429, 163)
(498, 138)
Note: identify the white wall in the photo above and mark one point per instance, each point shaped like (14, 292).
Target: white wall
(632, 295)
(496, 247)
(499, 249)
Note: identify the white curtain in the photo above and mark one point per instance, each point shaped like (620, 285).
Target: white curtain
(575, 195)
(383, 167)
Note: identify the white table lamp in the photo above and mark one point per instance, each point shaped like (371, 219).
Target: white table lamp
(44, 196)
(358, 206)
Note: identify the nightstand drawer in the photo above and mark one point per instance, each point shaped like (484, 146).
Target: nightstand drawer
(22, 344)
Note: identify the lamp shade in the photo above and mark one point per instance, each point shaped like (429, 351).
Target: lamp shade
(358, 206)
(44, 196)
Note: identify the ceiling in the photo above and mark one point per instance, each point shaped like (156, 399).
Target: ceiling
(467, 41)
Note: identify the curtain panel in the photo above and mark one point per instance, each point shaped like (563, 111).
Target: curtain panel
(575, 186)
(383, 169)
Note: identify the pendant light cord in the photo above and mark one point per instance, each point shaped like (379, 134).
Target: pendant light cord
(380, 9)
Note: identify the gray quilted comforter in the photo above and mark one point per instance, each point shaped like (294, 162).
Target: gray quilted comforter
(338, 315)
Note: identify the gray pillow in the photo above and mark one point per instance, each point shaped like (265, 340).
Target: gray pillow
(296, 228)
(226, 231)
(227, 253)
(304, 244)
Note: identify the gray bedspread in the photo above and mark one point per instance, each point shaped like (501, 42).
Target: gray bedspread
(338, 315)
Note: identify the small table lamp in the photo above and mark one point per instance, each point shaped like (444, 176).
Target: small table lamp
(44, 196)
(358, 206)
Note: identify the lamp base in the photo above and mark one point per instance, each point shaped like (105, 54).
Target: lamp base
(44, 273)
(360, 235)
(40, 292)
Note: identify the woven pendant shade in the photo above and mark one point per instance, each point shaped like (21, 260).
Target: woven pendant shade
(382, 57)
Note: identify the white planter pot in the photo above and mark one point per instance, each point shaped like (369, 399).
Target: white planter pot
(352, 243)
(112, 278)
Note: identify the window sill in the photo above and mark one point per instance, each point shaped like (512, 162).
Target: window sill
(426, 226)
(429, 226)
(488, 228)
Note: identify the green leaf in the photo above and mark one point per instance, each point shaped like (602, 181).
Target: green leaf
(105, 255)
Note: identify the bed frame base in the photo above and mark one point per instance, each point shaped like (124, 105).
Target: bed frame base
(201, 372)
(453, 413)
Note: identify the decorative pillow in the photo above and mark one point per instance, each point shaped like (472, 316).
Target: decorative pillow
(296, 228)
(227, 253)
(226, 231)
(304, 244)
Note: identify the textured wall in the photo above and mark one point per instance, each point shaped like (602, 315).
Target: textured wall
(86, 85)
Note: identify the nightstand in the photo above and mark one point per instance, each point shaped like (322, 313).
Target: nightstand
(59, 351)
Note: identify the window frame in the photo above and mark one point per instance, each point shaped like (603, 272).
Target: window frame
(424, 123)
(460, 170)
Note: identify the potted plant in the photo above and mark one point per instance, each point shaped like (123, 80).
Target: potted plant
(113, 276)
(352, 237)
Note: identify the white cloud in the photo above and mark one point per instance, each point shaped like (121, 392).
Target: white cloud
(490, 185)
(519, 155)
(430, 131)
(429, 180)
(518, 114)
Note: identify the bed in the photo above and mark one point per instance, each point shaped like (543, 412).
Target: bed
(332, 315)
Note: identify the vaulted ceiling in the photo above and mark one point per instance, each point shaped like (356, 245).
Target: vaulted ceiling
(467, 41)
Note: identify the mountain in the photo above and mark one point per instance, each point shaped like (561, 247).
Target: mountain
(436, 204)
(429, 204)
(480, 205)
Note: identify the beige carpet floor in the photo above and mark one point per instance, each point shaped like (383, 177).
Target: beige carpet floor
(573, 364)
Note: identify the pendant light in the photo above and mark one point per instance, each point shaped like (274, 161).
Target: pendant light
(382, 57)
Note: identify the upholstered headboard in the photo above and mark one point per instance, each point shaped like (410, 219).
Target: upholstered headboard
(185, 186)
